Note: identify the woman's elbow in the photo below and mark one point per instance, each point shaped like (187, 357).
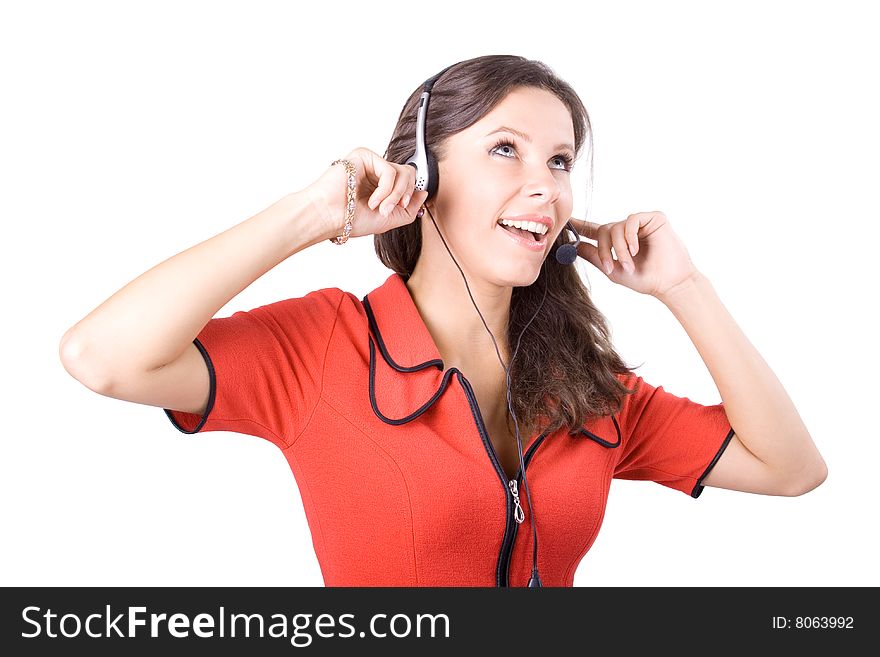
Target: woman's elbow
(807, 482)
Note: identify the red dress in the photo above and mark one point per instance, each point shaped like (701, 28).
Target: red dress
(399, 481)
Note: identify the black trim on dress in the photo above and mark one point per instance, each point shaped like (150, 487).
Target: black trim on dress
(211, 396)
(699, 487)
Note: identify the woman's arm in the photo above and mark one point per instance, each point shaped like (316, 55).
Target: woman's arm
(153, 320)
(138, 344)
(772, 452)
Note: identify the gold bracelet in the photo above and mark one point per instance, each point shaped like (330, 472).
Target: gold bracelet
(349, 201)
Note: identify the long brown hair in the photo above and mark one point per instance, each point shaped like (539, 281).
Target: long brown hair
(565, 370)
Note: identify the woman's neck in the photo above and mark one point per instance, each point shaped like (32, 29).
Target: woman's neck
(454, 324)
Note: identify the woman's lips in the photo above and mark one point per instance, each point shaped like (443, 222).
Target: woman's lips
(527, 242)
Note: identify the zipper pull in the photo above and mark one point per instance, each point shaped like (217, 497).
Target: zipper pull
(518, 511)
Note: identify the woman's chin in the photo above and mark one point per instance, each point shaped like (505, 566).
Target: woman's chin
(520, 274)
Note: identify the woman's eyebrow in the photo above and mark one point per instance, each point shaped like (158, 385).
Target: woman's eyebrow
(525, 137)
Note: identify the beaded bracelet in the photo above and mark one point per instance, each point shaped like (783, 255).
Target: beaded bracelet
(350, 203)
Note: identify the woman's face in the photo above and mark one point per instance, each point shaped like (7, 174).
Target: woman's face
(481, 183)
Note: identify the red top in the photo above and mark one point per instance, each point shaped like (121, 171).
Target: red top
(399, 481)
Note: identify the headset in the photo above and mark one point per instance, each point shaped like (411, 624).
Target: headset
(427, 178)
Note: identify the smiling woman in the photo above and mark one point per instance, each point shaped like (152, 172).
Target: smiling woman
(515, 127)
(399, 412)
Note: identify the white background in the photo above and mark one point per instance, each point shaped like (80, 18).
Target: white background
(132, 131)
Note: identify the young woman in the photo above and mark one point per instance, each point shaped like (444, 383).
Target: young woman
(477, 387)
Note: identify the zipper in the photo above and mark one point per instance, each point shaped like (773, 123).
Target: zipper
(513, 508)
(518, 514)
(514, 485)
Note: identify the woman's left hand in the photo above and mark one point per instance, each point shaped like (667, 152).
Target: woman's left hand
(651, 259)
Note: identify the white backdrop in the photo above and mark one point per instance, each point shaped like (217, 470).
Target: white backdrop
(132, 131)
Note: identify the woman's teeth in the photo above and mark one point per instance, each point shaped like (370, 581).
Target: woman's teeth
(531, 226)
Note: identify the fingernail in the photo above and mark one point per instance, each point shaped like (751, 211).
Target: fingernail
(406, 200)
(628, 268)
(608, 267)
(632, 249)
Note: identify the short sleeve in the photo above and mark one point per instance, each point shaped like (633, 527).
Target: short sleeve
(671, 440)
(265, 367)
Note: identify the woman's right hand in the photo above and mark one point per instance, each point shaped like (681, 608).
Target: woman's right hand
(380, 187)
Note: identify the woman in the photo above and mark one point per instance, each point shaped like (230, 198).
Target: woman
(411, 418)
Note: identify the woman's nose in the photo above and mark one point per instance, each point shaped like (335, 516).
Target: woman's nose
(541, 180)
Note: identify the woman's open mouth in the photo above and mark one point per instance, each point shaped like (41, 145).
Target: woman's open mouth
(526, 238)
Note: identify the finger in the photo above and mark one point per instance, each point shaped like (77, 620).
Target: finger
(621, 248)
(387, 177)
(415, 202)
(413, 198)
(412, 208)
(590, 253)
(603, 237)
(585, 228)
(411, 174)
(631, 231)
(599, 233)
(403, 185)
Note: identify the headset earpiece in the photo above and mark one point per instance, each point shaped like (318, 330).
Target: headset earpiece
(433, 175)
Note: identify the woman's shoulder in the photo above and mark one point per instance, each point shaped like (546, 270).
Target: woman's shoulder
(324, 296)
(322, 304)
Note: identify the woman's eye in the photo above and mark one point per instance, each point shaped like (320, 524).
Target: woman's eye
(503, 144)
(564, 159)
